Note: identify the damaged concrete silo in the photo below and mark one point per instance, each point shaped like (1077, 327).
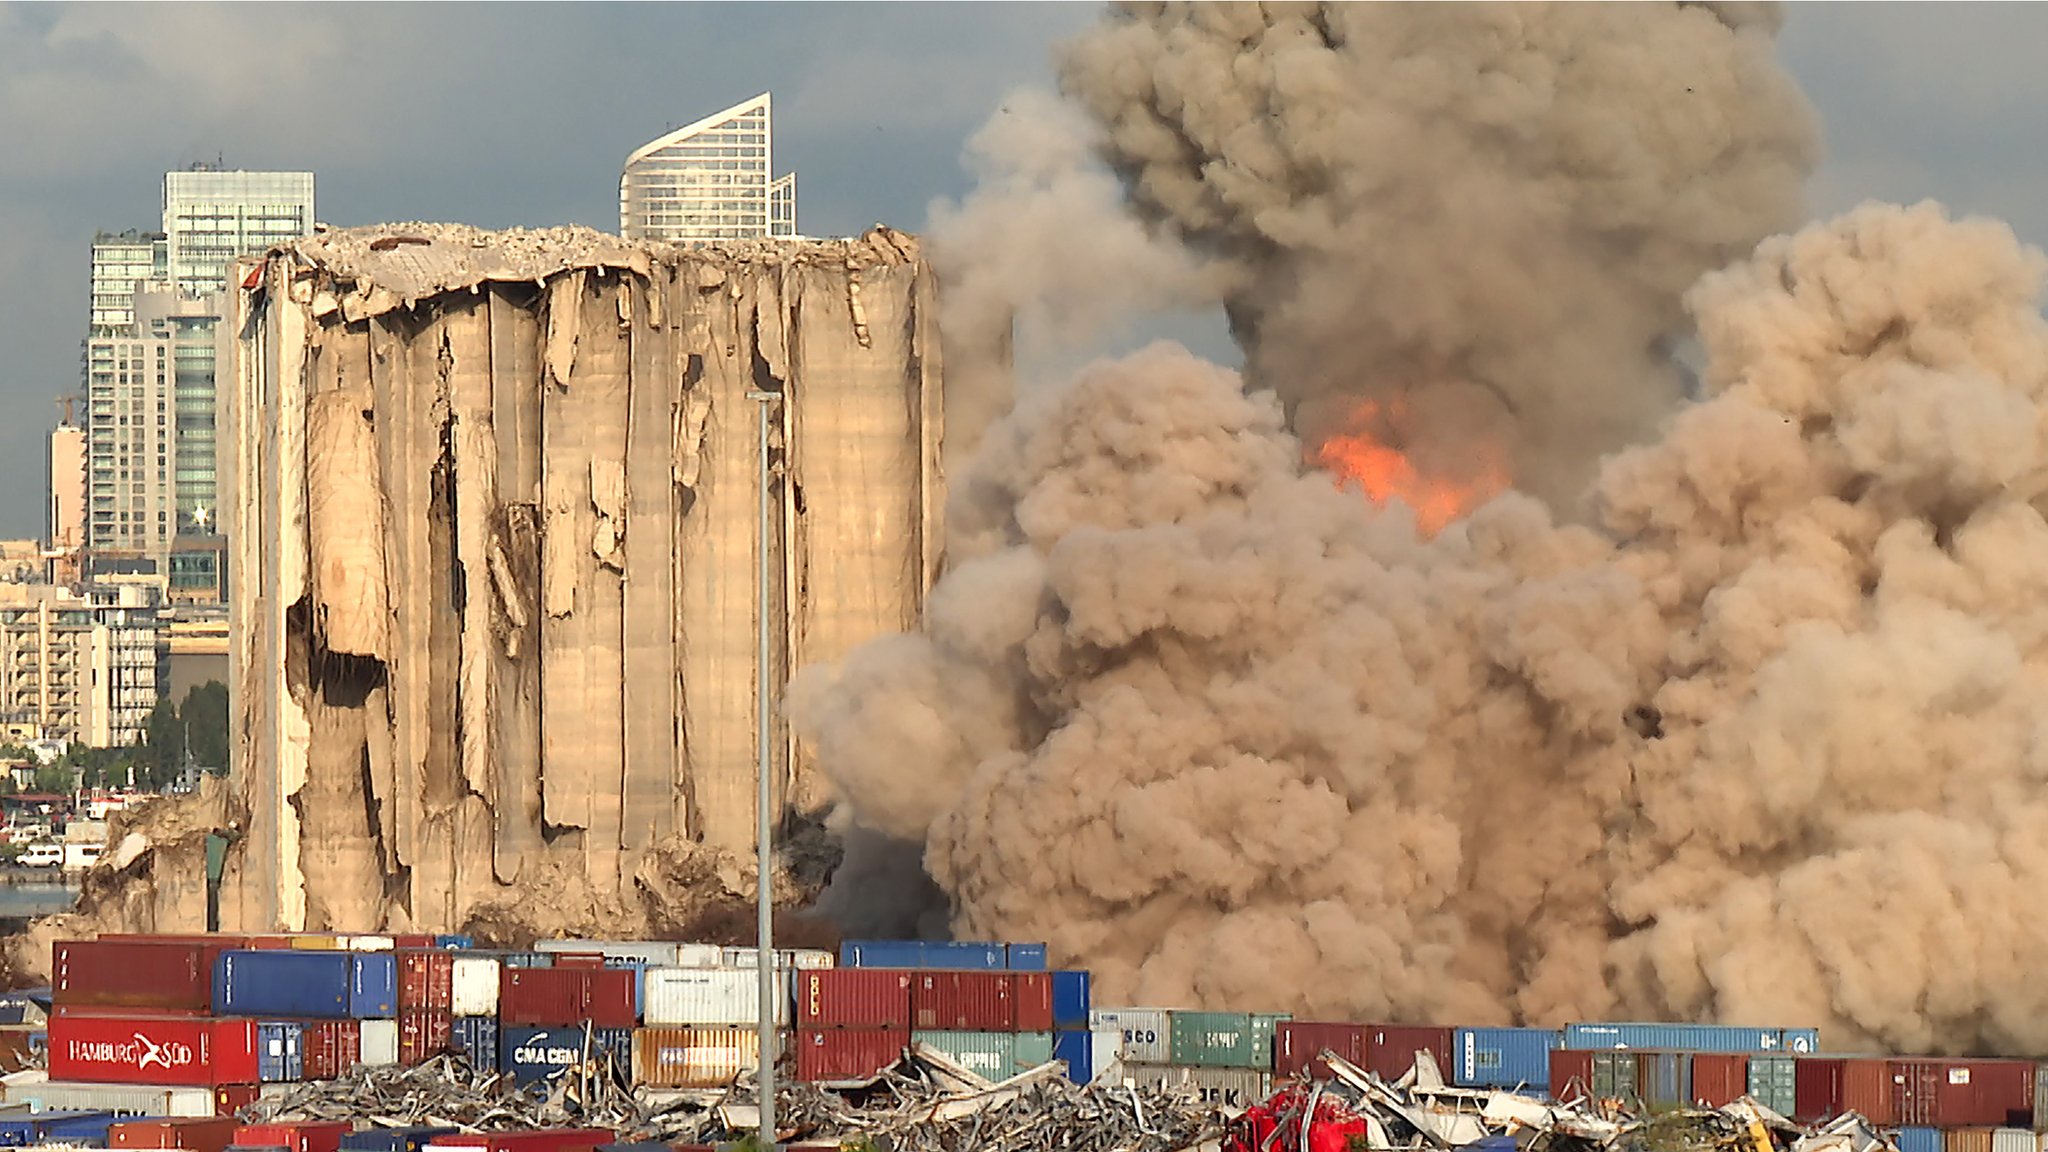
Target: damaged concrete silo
(494, 549)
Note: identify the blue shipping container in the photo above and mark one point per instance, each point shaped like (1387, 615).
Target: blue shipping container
(280, 1055)
(315, 984)
(1025, 957)
(1070, 1001)
(456, 941)
(1502, 1057)
(1919, 1140)
(1801, 1040)
(1078, 1050)
(529, 1055)
(973, 956)
(1679, 1037)
(87, 1128)
(881, 954)
(476, 1037)
(392, 1139)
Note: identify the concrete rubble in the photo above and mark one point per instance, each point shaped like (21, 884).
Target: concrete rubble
(494, 512)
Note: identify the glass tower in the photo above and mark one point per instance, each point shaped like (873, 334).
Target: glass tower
(711, 180)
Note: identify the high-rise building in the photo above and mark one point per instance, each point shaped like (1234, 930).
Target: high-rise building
(64, 528)
(79, 664)
(711, 180)
(212, 216)
(119, 262)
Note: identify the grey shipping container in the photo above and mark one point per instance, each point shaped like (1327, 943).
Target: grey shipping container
(1264, 1025)
(1212, 1087)
(1501, 1057)
(1148, 1032)
(1774, 1081)
(1614, 1076)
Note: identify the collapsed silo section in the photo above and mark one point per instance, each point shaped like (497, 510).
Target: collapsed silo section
(494, 504)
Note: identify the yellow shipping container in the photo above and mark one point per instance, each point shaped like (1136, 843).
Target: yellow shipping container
(316, 941)
(695, 1057)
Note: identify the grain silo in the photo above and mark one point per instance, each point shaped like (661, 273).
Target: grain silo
(494, 532)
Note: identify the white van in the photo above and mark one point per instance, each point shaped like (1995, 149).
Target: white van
(47, 854)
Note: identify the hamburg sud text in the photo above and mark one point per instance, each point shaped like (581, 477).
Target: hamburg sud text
(140, 1053)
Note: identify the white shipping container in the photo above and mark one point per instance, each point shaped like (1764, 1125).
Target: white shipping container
(33, 1089)
(474, 986)
(1105, 1051)
(1147, 1033)
(2014, 1140)
(649, 952)
(1233, 1088)
(699, 956)
(368, 943)
(709, 996)
(784, 958)
(380, 1043)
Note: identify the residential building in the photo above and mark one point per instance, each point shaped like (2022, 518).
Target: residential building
(79, 664)
(119, 262)
(65, 521)
(212, 216)
(711, 180)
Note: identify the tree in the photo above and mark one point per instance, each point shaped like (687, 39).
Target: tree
(205, 714)
(163, 747)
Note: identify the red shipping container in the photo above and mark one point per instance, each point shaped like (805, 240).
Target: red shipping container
(229, 1099)
(330, 1048)
(1031, 993)
(1390, 1048)
(426, 979)
(137, 1049)
(579, 960)
(411, 939)
(423, 1033)
(832, 1054)
(951, 1001)
(558, 997)
(853, 997)
(1719, 1078)
(1963, 1093)
(1824, 1087)
(302, 1136)
(1298, 1046)
(200, 1133)
(165, 975)
(1571, 1074)
(543, 1140)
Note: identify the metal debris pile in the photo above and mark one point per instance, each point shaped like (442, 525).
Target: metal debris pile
(928, 1103)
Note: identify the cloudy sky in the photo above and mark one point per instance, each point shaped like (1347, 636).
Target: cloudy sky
(519, 115)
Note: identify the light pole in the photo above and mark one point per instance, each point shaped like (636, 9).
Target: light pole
(764, 894)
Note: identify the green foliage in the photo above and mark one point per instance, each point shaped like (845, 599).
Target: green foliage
(58, 777)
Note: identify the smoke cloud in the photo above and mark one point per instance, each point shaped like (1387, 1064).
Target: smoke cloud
(1757, 737)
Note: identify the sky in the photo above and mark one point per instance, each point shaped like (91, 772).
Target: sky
(521, 114)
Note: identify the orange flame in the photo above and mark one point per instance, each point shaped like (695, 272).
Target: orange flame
(1364, 454)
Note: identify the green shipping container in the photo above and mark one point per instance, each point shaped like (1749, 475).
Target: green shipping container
(1774, 1081)
(1215, 1040)
(1614, 1075)
(989, 1055)
(1033, 1049)
(1264, 1025)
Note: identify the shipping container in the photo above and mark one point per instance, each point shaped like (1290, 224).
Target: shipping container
(380, 943)
(838, 1055)
(153, 1100)
(380, 1043)
(279, 1056)
(1298, 1046)
(167, 975)
(864, 998)
(1963, 1093)
(881, 954)
(1147, 1032)
(654, 953)
(1025, 957)
(530, 1054)
(1390, 1049)
(544, 1140)
(81, 1128)
(473, 986)
(1070, 999)
(229, 1099)
(989, 1055)
(1265, 1026)
(317, 941)
(153, 1050)
(423, 1033)
(476, 1038)
(1031, 1001)
(1571, 1075)
(1774, 1082)
(694, 1057)
(1719, 1078)
(1827, 1086)
(1088, 1053)
(962, 1001)
(1590, 1075)
(2014, 1140)
(409, 1139)
(526, 959)
(199, 1133)
(700, 955)
(1502, 1057)
(784, 958)
(1033, 1049)
(683, 997)
(331, 1048)
(455, 940)
(1688, 1037)
(296, 1136)
(362, 985)
(965, 955)
(555, 997)
(1210, 1040)
(1664, 1079)
(426, 980)
(1966, 1140)
(1799, 1041)
(1918, 1140)
(1235, 1088)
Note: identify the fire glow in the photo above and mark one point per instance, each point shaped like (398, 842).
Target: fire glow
(1365, 452)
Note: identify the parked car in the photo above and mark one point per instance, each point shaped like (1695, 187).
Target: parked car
(47, 854)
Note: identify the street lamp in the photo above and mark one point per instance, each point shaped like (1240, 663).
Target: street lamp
(764, 897)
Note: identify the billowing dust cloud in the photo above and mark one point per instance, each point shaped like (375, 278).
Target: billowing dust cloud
(1759, 738)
